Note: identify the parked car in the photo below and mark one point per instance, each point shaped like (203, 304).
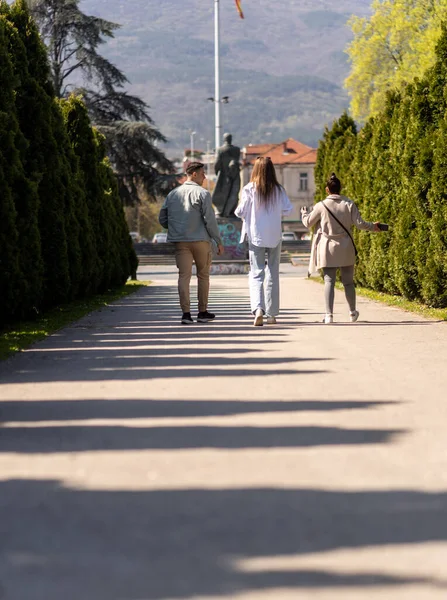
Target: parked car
(288, 236)
(135, 236)
(160, 238)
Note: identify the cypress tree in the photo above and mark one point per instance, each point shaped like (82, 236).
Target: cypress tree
(434, 283)
(328, 158)
(9, 265)
(359, 186)
(319, 172)
(12, 182)
(380, 177)
(389, 208)
(125, 262)
(115, 251)
(432, 259)
(73, 199)
(399, 175)
(85, 147)
(25, 194)
(43, 134)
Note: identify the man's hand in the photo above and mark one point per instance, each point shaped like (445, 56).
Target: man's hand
(303, 210)
(376, 226)
(220, 249)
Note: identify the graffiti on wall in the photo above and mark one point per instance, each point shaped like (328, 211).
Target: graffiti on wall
(230, 232)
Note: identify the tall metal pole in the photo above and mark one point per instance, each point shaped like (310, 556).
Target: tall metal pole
(207, 165)
(217, 72)
(191, 148)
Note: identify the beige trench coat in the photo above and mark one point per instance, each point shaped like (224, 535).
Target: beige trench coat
(331, 245)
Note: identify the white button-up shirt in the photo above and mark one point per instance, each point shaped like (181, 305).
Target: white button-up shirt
(262, 224)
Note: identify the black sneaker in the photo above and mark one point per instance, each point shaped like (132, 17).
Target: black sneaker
(187, 319)
(204, 317)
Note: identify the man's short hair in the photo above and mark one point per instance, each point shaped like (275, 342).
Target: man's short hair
(193, 167)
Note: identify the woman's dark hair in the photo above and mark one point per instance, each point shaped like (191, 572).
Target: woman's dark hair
(264, 177)
(334, 184)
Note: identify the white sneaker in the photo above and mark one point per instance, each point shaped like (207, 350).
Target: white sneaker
(259, 318)
(271, 320)
(328, 319)
(353, 316)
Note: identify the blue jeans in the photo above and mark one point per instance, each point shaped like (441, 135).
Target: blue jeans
(267, 300)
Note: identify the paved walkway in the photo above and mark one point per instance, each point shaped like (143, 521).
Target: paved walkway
(145, 460)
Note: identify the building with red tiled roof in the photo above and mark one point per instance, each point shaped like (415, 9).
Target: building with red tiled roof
(294, 165)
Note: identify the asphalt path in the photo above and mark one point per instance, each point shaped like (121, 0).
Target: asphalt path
(145, 460)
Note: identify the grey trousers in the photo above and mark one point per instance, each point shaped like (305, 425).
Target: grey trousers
(347, 278)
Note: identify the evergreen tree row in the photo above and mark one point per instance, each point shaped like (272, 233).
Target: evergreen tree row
(62, 229)
(395, 168)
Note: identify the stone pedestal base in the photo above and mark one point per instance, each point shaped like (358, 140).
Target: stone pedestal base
(230, 268)
(240, 267)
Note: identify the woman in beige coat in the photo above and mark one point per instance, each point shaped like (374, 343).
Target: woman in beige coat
(333, 247)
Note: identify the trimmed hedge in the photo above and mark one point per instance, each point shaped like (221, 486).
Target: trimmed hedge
(395, 168)
(62, 229)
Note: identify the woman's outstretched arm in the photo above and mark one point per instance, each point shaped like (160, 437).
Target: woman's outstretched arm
(311, 218)
(359, 222)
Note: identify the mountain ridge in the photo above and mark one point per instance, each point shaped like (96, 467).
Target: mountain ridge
(282, 67)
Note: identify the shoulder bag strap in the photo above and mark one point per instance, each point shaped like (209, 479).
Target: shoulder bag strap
(341, 225)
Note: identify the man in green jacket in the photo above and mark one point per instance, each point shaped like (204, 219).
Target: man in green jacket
(188, 215)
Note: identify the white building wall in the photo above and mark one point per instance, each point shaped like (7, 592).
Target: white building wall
(292, 184)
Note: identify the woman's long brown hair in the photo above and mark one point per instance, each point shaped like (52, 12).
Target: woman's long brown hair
(264, 177)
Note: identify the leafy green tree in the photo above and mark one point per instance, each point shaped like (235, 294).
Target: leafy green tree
(390, 48)
(73, 39)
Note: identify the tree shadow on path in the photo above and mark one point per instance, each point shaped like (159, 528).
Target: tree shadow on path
(139, 338)
(175, 544)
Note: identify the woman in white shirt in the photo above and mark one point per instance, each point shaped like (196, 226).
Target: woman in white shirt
(264, 202)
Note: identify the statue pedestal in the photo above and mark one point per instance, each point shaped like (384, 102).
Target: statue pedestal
(230, 232)
(234, 260)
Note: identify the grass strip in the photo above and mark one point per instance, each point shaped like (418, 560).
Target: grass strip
(440, 314)
(23, 334)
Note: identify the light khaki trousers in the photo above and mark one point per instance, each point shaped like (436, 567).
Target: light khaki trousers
(185, 254)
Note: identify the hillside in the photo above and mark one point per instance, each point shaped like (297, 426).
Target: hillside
(283, 66)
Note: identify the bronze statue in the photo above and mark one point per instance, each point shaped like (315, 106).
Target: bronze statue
(227, 169)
